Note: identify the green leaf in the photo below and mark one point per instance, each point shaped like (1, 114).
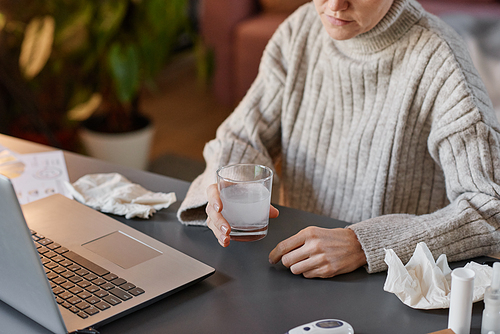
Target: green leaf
(73, 22)
(123, 62)
(109, 20)
(155, 13)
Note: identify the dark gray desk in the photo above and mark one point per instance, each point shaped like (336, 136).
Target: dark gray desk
(247, 294)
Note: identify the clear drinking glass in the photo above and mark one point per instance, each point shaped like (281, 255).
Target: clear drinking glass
(245, 192)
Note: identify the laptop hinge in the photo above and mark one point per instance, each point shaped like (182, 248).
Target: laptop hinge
(89, 330)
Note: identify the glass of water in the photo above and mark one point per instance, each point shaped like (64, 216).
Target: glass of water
(245, 192)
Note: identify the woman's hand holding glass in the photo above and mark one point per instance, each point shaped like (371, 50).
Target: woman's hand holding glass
(216, 222)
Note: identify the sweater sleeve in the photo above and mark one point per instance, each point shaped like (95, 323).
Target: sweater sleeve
(468, 226)
(465, 143)
(251, 134)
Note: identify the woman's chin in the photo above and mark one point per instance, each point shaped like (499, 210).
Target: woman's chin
(341, 35)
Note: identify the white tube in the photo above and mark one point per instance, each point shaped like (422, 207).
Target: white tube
(495, 279)
(462, 291)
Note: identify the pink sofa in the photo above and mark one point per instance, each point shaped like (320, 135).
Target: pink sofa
(238, 30)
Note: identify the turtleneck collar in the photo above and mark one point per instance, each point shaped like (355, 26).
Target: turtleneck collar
(399, 19)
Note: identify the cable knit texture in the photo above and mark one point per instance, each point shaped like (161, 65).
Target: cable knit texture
(391, 130)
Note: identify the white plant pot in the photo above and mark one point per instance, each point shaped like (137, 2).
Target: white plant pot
(130, 149)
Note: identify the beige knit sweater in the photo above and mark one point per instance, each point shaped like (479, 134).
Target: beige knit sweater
(391, 130)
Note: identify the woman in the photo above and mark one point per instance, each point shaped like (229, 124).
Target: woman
(378, 117)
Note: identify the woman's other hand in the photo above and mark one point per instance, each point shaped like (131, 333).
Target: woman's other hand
(320, 252)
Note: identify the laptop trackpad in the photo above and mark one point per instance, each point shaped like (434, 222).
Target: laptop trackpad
(122, 249)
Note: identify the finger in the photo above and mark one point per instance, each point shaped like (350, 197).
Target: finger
(295, 257)
(214, 197)
(319, 272)
(219, 226)
(285, 247)
(323, 267)
(273, 212)
(222, 238)
(314, 266)
(218, 220)
(301, 267)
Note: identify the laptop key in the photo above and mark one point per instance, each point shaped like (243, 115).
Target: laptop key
(74, 267)
(101, 293)
(83, 315)
(107, 286)
(67, 285)
(84, 295)
(67, 274)
(127, 286)
(91, 310)
(67, 305)
(58, 258)
(52, 275)
(102, 305)
(98, 270)
(136, 291)
(82, 272)
(50, 265)
(42, 249)
(45, 241)
(98, 281)
(53, 245)
(110, 277)
(75, 279)
(118, 281)
(82, 305)
(59, 269)
(57, 290)
(76, 290)
(59, 280)
(120, 294)
(112, 300)
(66, 263)
(90, 277)
(92, 288)
(50, 254)
(74, 300)
(66, 295)
(61, 250)
(92, 300)
(84, 284)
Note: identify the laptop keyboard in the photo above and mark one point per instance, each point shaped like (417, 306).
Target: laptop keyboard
(80, 285)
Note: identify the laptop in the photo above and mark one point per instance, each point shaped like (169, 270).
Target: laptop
(69, 267)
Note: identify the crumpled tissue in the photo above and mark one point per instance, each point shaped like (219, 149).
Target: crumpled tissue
(113, 193)
(425, 284)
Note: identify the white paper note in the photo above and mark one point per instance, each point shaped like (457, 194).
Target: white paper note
(36, 175)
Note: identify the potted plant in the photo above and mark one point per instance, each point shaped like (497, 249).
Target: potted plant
(86, 62)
